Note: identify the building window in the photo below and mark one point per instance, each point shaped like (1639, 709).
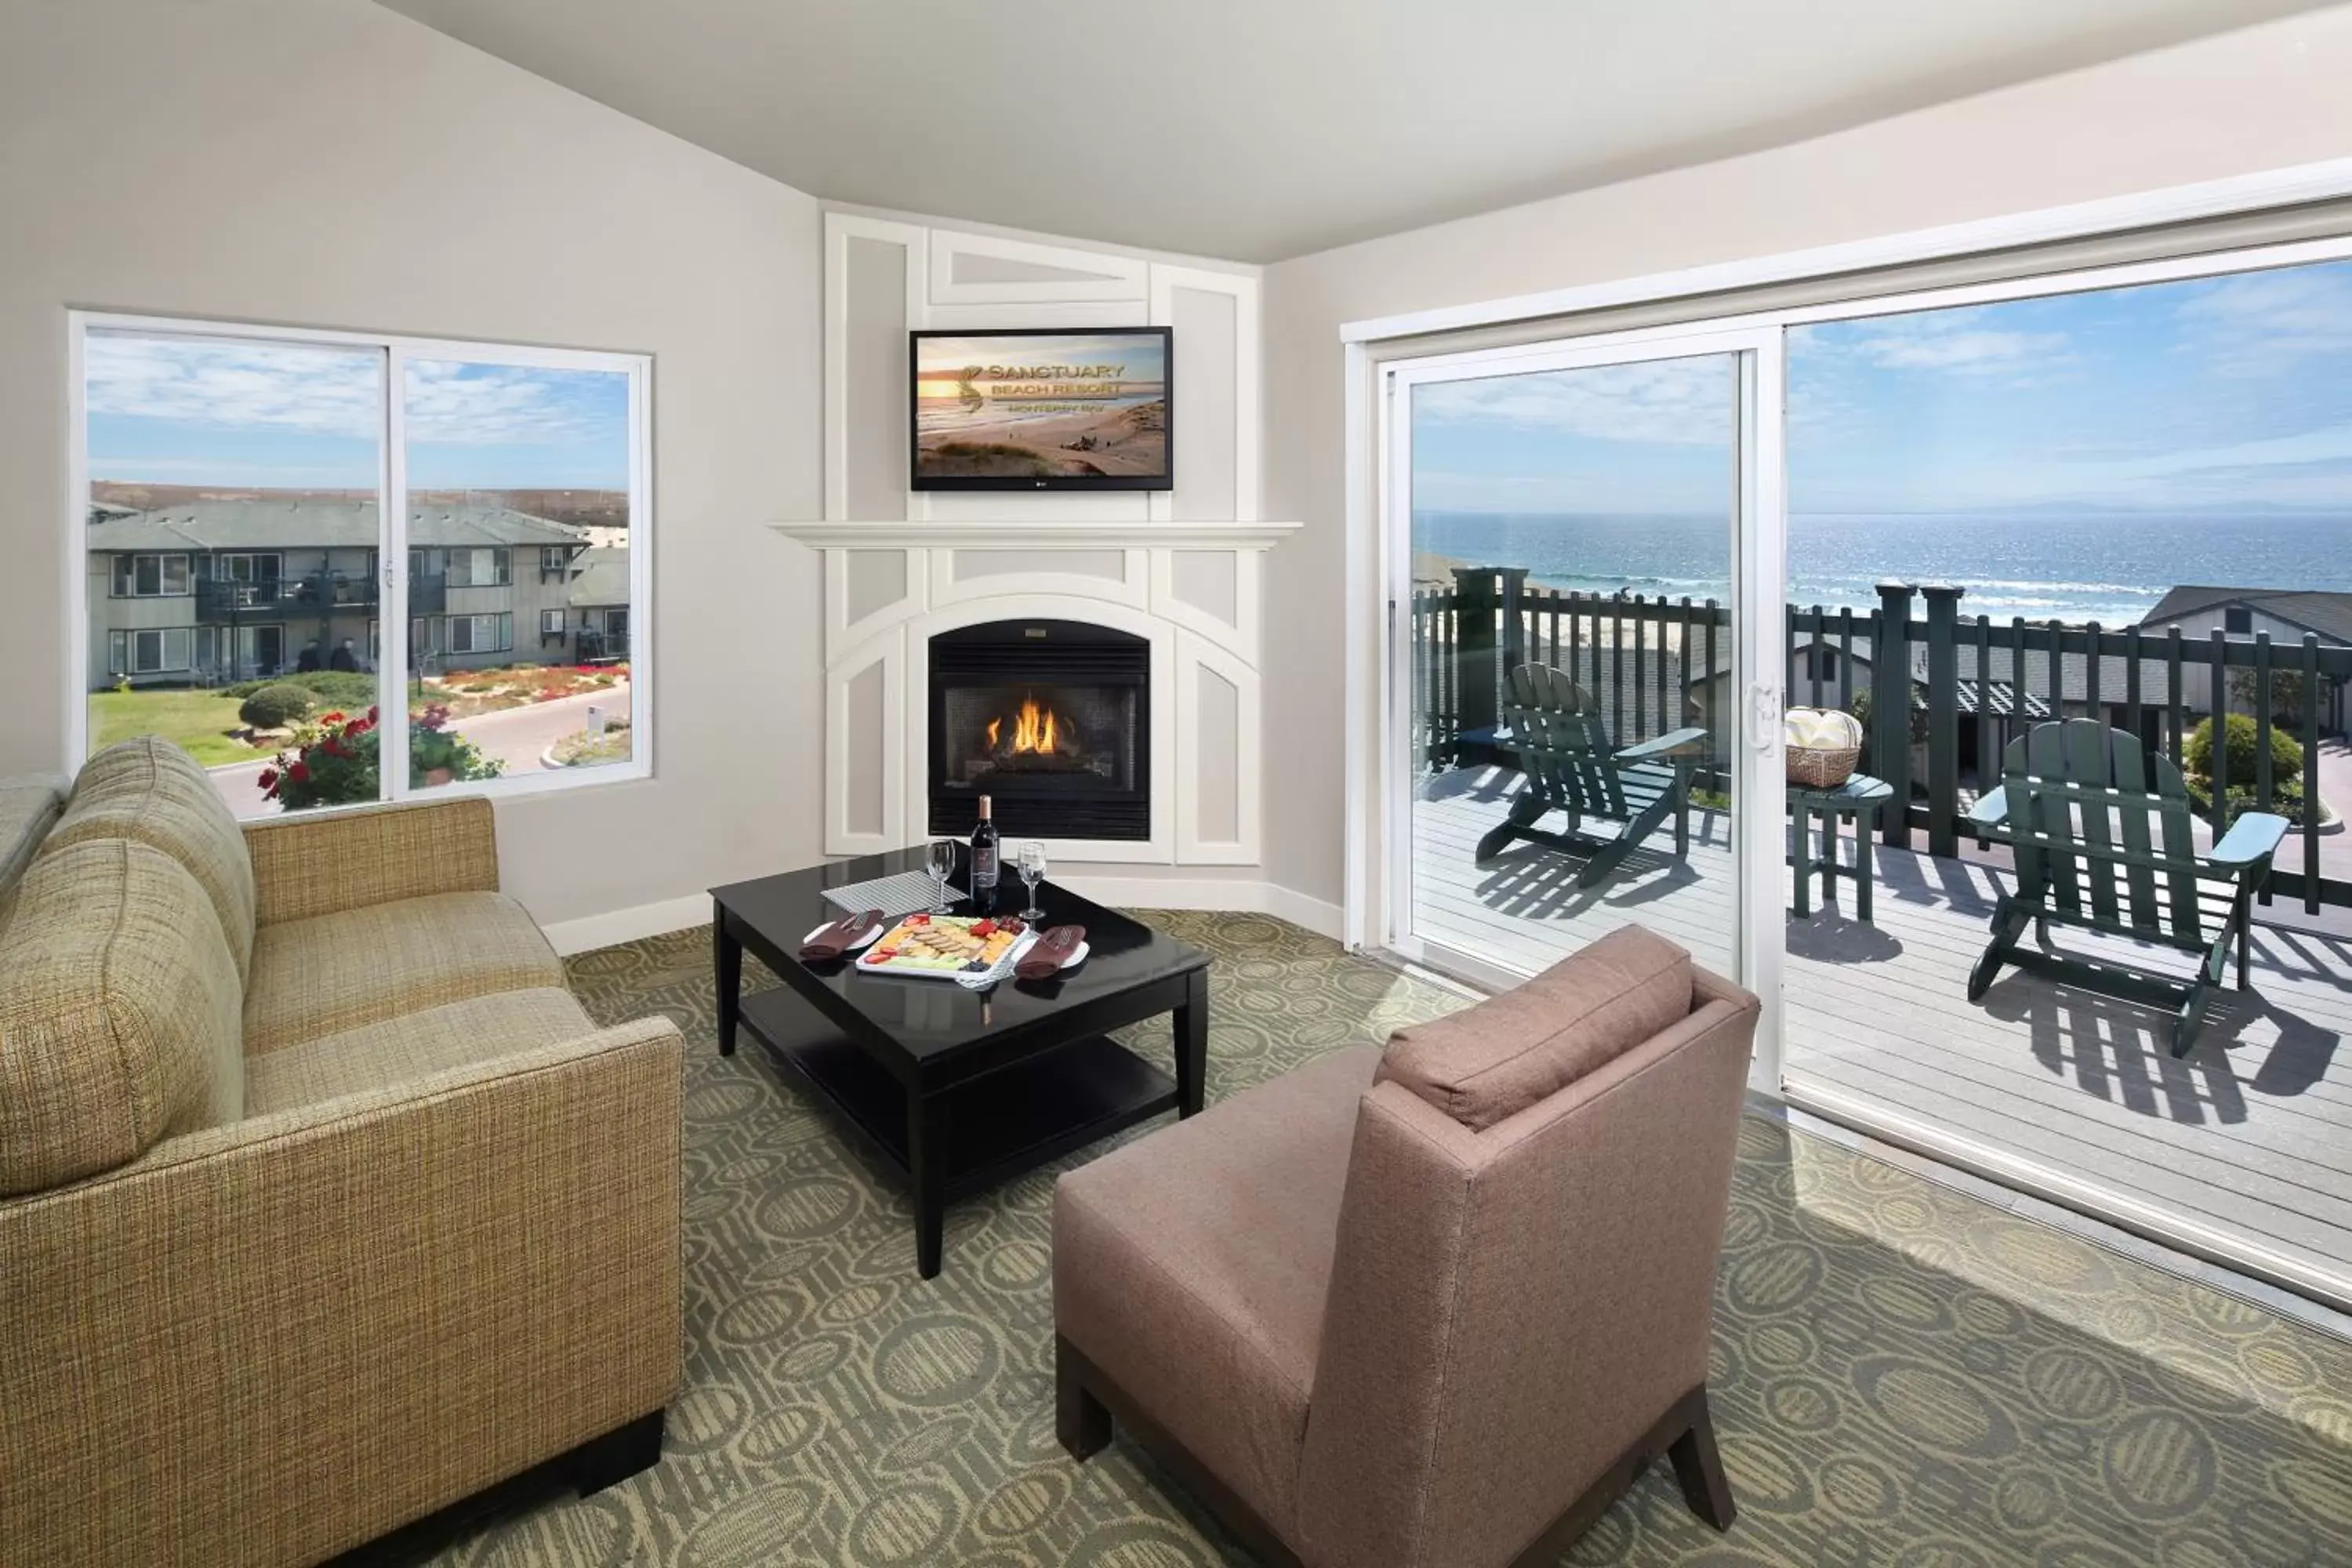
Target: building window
(480, 634)
(248, 404)
(2238, 621)
(162, 651)
(149, 576)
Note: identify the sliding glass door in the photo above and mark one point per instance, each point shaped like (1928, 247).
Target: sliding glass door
(1574, 713)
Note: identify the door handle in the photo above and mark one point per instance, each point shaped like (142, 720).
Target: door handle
(1764, 715)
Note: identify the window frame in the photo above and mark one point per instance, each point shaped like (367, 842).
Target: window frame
(116, 575)
(392, 541)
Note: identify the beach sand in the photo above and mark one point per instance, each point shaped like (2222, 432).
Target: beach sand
(1129, 441)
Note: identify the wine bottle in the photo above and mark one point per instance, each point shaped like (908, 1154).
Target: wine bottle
(983, 862)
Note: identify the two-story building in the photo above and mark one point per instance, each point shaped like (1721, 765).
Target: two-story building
(212, 592)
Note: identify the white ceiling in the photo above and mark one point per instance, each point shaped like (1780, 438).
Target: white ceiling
(1257, 130)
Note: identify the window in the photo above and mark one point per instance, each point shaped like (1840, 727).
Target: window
(479, 634)
(2238, 621)
(145, 577)
(278, 553)
(162, 651)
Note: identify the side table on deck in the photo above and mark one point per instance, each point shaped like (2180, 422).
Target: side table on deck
(1858, 800)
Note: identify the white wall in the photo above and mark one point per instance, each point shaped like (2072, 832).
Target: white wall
(326, 162)
(2265, 97)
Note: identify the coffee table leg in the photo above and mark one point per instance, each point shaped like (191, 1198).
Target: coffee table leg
(727, 954)
(1192, 1044)
(927, 1166)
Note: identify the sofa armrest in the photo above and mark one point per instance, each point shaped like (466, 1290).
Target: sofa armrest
(306, 866)
(271, 1341)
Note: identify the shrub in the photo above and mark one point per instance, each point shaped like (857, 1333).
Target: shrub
(338, 759)
(2287, 753)
(338, 688)
(276, 706)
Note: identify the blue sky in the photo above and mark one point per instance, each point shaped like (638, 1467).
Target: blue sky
(2224, 395)
(206, 412)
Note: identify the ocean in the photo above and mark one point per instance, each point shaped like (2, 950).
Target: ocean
(2109, 567)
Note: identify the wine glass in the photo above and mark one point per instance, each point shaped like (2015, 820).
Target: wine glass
(1031, 864)
(942, 864)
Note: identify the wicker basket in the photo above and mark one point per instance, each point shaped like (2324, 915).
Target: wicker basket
(1822, 745)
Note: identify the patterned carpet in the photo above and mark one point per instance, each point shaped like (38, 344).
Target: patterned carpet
(1904, 1376)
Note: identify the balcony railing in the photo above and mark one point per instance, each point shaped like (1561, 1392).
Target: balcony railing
(1655, 664)
(222, 602)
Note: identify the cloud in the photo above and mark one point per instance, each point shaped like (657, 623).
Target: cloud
(235, 386)
(1956, 341)
(1683, 402)
(306, 390)
(2268, 323)
(489, 406)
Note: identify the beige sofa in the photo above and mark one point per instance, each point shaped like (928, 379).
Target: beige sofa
(1430, 1308)
(322, 1203)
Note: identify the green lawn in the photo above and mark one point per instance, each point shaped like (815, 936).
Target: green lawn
(198, 721)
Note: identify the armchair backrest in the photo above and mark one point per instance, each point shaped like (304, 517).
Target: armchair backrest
(1510, 1308)
(2100, 828)
(1559, 738)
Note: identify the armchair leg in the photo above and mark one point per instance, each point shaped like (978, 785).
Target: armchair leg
(617, 1455)
(1080, 1420)
(1699, 1467)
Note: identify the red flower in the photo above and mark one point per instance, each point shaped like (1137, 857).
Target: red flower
(269, 780)
(372, 715)
(356, 727)
(299, 772)
(333, 747)
(334, 718)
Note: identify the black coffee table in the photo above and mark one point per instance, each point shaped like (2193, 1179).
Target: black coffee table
(962, 1089)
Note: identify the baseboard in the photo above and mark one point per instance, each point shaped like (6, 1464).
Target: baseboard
(642, 921)
(632, 924)
(1209, 893)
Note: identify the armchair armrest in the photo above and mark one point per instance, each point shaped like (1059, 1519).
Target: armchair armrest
(271, 1341)
(1673, 743)
(1991, 812)
(306, 866)
(2252, 838)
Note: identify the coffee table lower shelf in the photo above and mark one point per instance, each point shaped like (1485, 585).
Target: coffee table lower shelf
(997, 1126)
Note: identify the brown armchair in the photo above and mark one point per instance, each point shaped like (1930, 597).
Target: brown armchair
(1435, 1307)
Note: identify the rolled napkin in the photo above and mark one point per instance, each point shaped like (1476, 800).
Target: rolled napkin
(1052, 951)
(840, 937)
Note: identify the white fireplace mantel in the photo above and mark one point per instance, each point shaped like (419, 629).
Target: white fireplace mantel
(1036, 533)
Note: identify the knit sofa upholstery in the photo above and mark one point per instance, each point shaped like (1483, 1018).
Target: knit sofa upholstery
(322, 1203)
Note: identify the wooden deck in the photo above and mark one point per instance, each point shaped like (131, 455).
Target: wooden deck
(2250, 1135)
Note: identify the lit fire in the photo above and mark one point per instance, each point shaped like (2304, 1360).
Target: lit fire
(1033, 728)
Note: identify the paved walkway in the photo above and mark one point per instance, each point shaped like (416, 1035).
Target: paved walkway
(518, 737)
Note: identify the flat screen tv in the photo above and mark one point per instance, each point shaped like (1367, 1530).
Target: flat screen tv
(1044, 409)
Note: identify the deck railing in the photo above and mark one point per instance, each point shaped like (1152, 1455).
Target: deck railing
(1655, 663)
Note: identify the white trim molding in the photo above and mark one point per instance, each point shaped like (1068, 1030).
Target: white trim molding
(2325, 181)
(1036, 533)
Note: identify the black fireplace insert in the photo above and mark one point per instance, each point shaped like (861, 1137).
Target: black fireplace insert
(1050, 719)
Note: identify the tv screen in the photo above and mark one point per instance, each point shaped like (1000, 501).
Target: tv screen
(1050, 409)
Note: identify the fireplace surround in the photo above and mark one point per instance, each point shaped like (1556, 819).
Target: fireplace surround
(1052, 719)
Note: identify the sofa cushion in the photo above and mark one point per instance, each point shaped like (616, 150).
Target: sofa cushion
(411, 1046)
(118, 1013)
(1486, 1062)
(1190, 1267)
(321, 976)
(149, 790)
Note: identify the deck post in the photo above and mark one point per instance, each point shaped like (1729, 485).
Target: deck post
(1944, 718)
(1511, 593)
(1478, 677)
(1890, 710)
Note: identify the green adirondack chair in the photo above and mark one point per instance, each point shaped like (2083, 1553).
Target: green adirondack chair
(1571, 765)
(2103, 837)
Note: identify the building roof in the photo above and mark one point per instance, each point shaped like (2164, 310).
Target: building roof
(599, 577)
(307, 524)
(2329, 614)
